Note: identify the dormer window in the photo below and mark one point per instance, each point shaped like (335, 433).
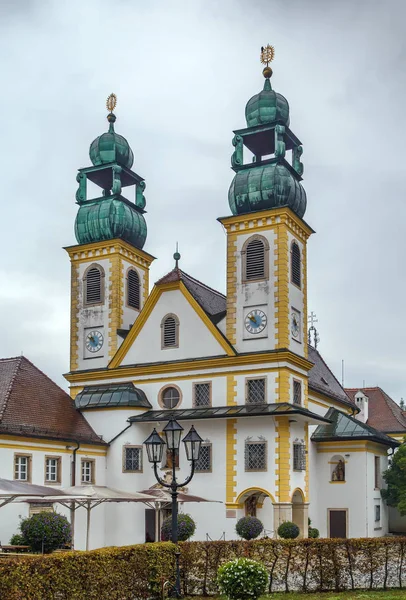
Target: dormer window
(295, 270)
(255, 259)
(133, 289)
(93, 285)
(170, 331)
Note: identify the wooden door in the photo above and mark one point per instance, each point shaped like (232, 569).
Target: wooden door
(338, 523)
(150, 525)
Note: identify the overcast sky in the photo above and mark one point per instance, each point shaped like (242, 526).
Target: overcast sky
(183, 71)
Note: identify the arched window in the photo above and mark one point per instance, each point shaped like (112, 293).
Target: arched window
(94, 283)
(170, 397)
(255, 258)
(295, 270)
(170, 331)
(133, 289)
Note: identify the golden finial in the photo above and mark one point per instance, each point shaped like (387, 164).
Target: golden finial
(267, 56)
(111, 102)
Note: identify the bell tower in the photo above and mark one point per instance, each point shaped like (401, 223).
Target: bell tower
(109, 268)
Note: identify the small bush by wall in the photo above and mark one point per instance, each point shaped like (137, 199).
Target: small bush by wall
(249, 528)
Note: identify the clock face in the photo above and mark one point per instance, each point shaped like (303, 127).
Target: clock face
(94, 341)
(295, 326)
(255, 321)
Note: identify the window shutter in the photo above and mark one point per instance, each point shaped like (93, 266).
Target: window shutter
(133, 289)
(255, 260)
(170, 332)
(295, 265)
(93, 286)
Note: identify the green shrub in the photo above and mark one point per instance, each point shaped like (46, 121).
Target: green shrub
(249, 528)
(46, 531)
(17, 540)
(313, 533)
(186, 528)
(242, 578)
(288, 530)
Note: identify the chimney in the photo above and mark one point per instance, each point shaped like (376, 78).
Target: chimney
(361, 402)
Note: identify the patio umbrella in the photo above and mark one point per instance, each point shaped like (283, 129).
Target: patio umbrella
(10, 490)
(90, 496)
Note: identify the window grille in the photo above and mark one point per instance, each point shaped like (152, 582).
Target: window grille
(202, 394)
(87, 471)
(203, 465)
(299, 457)
(255, 456)
(93, 286)
(255, 260)
(377, 513)
(132, 459)
(52, 468)
(170, 337)
(133, 289)
(170, 397)
(297, 392)
(21, 468)
(255, 391)
(295, 264)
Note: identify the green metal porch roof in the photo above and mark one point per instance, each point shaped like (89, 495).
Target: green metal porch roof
(119, 394)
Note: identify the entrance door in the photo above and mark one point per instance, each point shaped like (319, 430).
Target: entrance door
(150, 525)
(338, 523)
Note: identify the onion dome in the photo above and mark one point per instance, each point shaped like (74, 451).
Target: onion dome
(110, 147)
(110, 218)
(265, 187)
(267, 106)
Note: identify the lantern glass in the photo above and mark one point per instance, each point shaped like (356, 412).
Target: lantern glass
(155, 447)
(193, 443)
(173, 432)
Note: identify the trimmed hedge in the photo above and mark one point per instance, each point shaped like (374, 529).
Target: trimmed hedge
(138, 572)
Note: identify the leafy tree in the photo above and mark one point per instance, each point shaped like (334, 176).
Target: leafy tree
(395, 478)
(186, 528)
(249, 528)
(46, 531)
(288, 530)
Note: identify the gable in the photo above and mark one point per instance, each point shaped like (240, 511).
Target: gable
(198, 336)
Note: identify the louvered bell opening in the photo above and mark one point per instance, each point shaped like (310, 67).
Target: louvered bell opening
(170, 332)
(93, 286)
(295, 266)
(255, 260)
(133, 289)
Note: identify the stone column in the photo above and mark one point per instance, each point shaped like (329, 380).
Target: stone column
(300, 514)
(282, 511)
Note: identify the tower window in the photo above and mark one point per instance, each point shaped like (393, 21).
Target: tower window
(299, 456)
(255, 391)
(255, 260)
(295, 270)
(297, 392)
(93, 286)
(170, 332)
(202, 394)
(133, 289)
(169, 397)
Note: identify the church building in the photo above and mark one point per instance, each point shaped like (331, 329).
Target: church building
(282, 439)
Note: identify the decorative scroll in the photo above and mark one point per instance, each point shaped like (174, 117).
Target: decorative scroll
(81, 191)
(297, 164)
(139, 195)
(237, 156)
(280, 147)
(116, 188)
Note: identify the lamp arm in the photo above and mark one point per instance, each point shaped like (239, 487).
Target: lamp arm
(158, 478)
(190, 476)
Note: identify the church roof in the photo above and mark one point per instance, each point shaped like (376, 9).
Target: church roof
(322, 379)
(344, 427)
(33, 405)
(212, 302)
(383, 412)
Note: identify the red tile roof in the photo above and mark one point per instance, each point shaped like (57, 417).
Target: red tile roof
(32, 405)
(383, 412)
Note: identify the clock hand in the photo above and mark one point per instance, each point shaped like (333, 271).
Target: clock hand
(253, 319)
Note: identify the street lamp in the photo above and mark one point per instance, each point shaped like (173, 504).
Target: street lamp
(155, 446)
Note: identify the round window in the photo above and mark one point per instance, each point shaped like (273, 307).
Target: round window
(170, 397)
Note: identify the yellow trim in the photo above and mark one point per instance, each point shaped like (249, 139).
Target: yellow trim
(231, 287)
(231, 459)
(249, 491)
(130, 408)
(282, 460)
(337, 482)
(195, 365)
(298, 489)
(281, 273)
(307, 474)
(283, 386)
(74, 390)
(399, 437)
(115, 301)
(108, 245)
(74, 318)
(267, 218)
(27, 448)
(328, 402)
(351, 446)
(304, 288)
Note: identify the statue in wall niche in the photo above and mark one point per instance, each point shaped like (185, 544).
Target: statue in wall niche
(251, 506)
(339, 472)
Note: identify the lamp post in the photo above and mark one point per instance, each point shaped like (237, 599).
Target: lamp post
(155, 447)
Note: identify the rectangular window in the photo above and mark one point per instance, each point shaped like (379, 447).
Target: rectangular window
(52, 469)
(377, 465)
(22, 467)
(88, 471)
(37, 507)
(377, 513)
(255, 391)
(203, 465)
(299, 457)
(297, 392)
(255, 456)
(132, 459)
(202, 394)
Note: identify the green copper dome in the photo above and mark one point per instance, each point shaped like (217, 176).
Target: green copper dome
(267, 107)
(265, 187)
(108, 219)
(110, 147)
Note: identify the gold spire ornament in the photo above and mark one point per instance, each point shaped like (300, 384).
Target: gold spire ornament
(111, 102)
(267, 56)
